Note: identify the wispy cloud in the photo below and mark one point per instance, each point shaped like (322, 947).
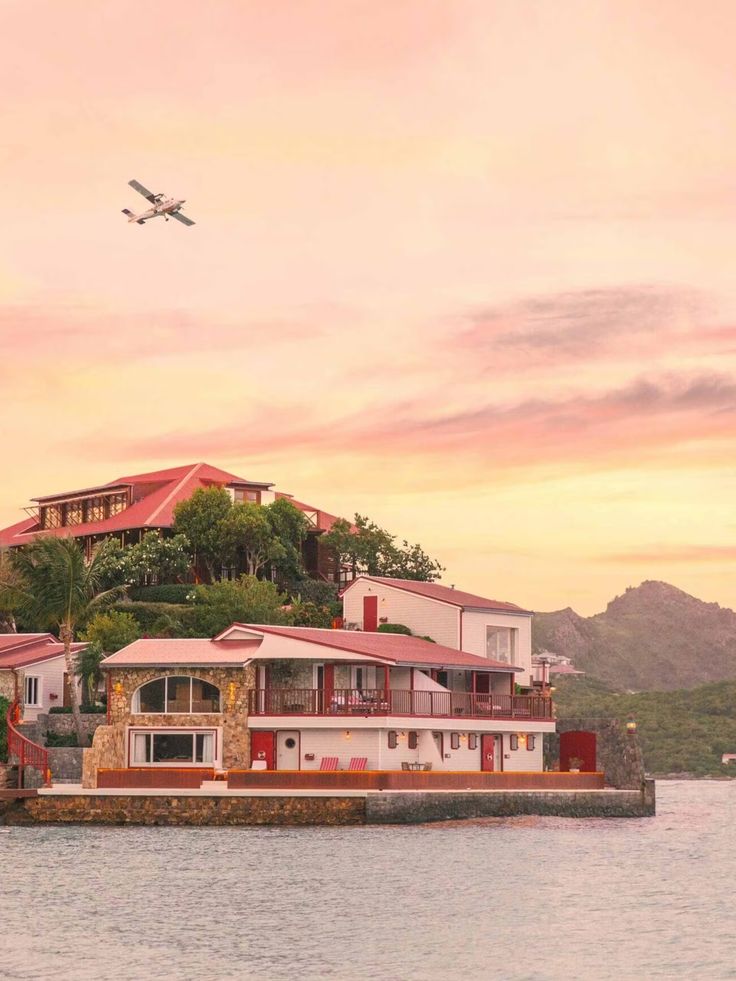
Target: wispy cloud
(664, 554)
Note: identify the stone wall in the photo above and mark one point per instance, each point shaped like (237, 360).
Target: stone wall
(65, 763)
(375, 808)
(62, 723)
(181, 810)
(108, 744)
(7, 685)
(618, 752)
(415, 808)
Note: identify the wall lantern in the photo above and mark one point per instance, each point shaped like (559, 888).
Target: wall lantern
(118, 688)
(347, 734)
(231, 690)
(631, 727)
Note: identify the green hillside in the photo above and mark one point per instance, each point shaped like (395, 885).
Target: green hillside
(684, 731)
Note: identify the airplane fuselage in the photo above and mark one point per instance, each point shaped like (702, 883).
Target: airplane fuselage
(165, 207)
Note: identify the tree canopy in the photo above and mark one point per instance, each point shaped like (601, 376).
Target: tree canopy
(367, 548)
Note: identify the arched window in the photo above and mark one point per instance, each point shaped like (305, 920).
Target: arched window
(176, 694)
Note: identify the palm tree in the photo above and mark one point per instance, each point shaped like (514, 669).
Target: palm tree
(59, 590)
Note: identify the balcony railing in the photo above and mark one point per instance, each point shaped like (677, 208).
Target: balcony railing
(379, 701)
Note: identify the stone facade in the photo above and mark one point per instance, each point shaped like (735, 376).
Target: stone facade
(62, 724)
(7, 684)
(65, 763)
(108, 746)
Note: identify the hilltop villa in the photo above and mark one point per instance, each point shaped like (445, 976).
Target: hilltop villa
(128, 507)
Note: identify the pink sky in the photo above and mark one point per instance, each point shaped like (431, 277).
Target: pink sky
(463, 267)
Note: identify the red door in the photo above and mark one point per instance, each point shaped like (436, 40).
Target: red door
(370, 613)
(263, 747)
(487, 744)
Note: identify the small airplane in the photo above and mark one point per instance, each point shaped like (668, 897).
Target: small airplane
(168, 207)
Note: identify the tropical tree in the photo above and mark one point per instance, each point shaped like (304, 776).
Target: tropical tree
(201, 519)
(248, 532)
(367, 548)
(290, 526)
(244, 600)
(88, 670)
(10, 598)
(112, 629)
(58, 590)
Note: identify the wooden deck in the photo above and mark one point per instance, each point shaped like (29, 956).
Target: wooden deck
(417, 780)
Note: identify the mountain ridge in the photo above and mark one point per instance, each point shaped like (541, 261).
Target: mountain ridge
(652, 637)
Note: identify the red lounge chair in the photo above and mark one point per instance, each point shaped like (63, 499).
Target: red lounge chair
(329, 763)
(358, 763)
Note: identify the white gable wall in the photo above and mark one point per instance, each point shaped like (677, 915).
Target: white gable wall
(423, 616)
(51, 682)
(474, 637)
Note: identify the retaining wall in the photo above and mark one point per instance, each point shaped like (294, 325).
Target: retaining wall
(374, 808)
(62, 724)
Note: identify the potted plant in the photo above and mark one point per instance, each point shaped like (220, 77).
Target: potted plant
(574, 764)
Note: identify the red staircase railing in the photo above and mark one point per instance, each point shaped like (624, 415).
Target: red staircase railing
(26, 752)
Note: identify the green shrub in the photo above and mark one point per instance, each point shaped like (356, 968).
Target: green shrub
(149, 614)
(317, 592)
(56, 739)
(84, 709)
(175, 592)
(394, 628)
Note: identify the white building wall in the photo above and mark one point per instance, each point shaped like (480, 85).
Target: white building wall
(335, 742)
(51, 682)
(474, 637)
(523, 758)
(424, 617)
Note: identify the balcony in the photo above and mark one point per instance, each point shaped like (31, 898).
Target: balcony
(379, 701)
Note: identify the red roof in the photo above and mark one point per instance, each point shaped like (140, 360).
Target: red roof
(397, 648)
(167, 653)
(18, 650)
(324, 520)
(157, 495)
(445, 594)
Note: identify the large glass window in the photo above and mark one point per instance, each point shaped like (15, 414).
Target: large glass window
(173, 748)
(177, 694)
(51, 516)
(499, 644)
(74, 513)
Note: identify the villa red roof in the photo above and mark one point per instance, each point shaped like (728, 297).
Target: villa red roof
(397, 648)
(19, 650)
(444, 594)
(159, 492)
(164, 652)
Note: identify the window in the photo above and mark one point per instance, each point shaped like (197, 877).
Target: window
(74, 513)
(413, 740)
(241, 496)
(51, 516)
(454, 740)
(393, 739)
(177, 694)
(530, 740)
(33, 691)
(472, 740)
(168, 748)
(116, 503)
(514, 742)
(498, 644)
(364, 678)
(94, 509)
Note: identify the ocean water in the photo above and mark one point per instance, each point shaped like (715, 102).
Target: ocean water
(521, 898)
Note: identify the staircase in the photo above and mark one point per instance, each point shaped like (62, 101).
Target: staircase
(23, 752)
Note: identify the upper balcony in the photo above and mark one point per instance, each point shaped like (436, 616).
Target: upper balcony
(383, 702)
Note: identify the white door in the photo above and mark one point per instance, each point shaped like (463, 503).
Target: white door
(287, 750)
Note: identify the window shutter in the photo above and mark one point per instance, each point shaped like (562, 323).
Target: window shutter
(530, 742)
(454, 740)
(413, 740)
(514, 742)
(393, 739)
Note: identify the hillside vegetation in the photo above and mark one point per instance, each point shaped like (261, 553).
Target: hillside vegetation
(684, 731)
(654, 636)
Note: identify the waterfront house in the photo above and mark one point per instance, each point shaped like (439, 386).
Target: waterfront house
(274, 698)
(33, 673)
(127, 507)
(494, 629)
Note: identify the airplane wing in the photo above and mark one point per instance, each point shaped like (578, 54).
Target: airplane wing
(144, 191)
(182, 218)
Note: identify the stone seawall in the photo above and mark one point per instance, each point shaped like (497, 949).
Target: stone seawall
(373, 808)
(417, 808)
(188, 810)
